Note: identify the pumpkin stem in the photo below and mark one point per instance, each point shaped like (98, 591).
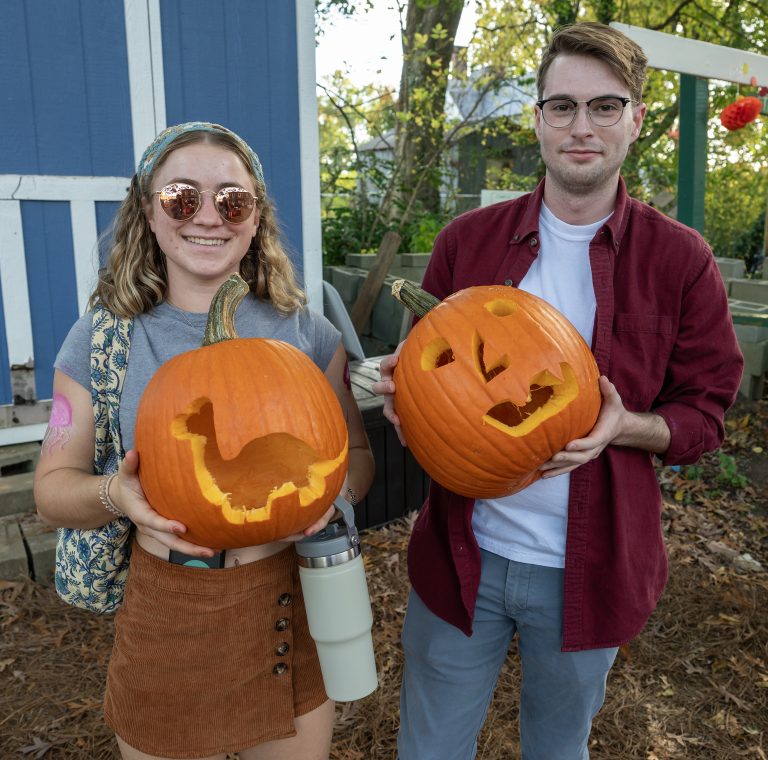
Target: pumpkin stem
(414, 298)
(221, 315)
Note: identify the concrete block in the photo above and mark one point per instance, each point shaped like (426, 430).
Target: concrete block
(755, 357)
(347, 282)
(730, 267)
(752, 387)
(41, 547)
(749, 290)
(751, 333)
(415, 274)
(360, 260)
(16, 494)
(21, 457)
(387, 315)
(13, 555)
(415, 259)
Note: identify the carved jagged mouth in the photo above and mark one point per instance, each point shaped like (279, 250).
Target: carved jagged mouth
(511, 415)
(548, 396)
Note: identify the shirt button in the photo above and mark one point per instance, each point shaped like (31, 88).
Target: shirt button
(282, 624)
(282, 649)
(509, 283)
(284, 600)
(280, 668)
(516, 238)
(534, 242)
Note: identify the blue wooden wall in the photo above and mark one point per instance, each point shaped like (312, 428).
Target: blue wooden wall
(66, 110)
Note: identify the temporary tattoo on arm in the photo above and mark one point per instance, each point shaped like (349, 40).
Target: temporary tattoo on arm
(59, 424)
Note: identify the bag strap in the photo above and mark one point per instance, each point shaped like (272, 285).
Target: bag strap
(110, 344)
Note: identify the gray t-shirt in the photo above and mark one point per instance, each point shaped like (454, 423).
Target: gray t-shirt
(167, 331)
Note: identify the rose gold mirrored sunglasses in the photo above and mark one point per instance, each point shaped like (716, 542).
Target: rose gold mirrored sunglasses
(181, 202)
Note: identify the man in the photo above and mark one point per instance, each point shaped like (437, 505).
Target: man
(575, 563)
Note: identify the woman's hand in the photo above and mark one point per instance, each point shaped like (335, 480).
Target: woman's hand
(128, 496)
(316, 526)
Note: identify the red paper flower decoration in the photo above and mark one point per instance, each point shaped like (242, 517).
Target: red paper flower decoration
(739, 113)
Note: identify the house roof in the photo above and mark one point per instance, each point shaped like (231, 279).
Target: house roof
(477, 99)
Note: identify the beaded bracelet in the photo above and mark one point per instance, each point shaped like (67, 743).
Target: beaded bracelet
(105, 498)
(351, 497)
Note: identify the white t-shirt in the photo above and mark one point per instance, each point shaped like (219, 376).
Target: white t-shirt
(530, 526)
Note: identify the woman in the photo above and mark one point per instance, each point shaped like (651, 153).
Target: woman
(193, 669)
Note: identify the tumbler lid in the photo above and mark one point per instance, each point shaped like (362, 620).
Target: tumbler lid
(336, 544)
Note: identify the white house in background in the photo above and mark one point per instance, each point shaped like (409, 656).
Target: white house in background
(471, 102)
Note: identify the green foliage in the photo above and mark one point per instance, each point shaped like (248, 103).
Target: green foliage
(750, 244)
(350, 229)
(716, 473)
(728, 474)
(422, 233)
(363, 198)
(325, 9)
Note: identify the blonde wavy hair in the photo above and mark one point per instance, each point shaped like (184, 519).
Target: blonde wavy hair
(135, 279)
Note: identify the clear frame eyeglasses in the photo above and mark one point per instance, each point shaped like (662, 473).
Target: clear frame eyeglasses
(603, 111)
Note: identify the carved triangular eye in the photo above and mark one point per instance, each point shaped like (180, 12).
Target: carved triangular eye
(478, 351)
(436, 354)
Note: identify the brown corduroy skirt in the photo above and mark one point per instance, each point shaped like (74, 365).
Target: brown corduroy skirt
(209, 661)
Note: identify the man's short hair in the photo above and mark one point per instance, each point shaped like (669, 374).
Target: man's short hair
(624, 56)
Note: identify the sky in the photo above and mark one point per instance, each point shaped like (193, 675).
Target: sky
(368, 45)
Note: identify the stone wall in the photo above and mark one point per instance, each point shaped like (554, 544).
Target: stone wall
(747, 296)
(385, 325)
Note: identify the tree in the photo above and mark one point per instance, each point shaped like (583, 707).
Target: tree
(737, 171)
(428, 38)
(505, 47)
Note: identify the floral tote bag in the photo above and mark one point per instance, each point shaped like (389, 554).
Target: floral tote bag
(92, 564)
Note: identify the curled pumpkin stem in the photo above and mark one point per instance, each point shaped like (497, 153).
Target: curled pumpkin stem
(221, 314)
(414, 298)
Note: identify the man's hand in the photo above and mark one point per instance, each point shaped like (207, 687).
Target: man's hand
(615, 425)
(386, 387)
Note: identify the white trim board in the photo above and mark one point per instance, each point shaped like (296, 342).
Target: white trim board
(145, 72)
(41, 187)
(13, 282)
(23, 433)
(701, 59)
(309, 147)
(85, 246)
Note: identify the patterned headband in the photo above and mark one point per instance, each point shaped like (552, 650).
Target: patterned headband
(161, 143)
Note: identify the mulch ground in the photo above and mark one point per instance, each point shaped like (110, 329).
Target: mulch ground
(694, 684)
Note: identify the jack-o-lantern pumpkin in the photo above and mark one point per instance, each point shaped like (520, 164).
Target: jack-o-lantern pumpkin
(490, 384)
(243, 440)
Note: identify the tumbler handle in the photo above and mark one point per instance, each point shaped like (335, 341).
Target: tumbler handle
(348, 513)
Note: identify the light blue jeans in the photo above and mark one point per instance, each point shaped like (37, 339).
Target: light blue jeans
(449, 678)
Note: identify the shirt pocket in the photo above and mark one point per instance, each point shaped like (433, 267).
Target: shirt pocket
(640, 352)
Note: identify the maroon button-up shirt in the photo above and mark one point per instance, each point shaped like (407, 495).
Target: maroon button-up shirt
(664, 337)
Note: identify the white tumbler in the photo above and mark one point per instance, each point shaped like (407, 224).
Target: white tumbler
(338, 607)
